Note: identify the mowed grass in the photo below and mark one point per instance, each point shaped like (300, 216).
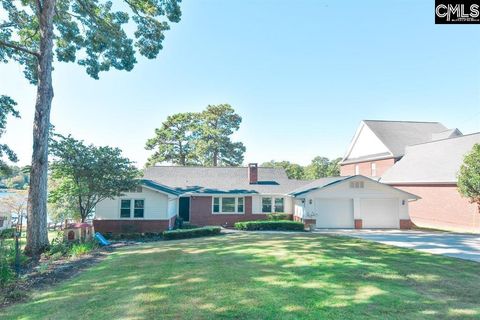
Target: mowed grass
(264, 276)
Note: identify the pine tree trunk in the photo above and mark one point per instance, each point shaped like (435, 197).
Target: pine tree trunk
(215, 158)
(37, 232)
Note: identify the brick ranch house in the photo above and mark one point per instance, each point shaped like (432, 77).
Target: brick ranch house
(422, 158)
(224, 195)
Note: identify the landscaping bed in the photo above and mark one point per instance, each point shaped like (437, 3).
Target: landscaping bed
(62, 261)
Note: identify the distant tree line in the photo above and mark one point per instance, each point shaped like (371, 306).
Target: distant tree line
(320, 167)
(14, 177)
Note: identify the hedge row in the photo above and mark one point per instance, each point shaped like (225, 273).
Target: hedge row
(279, 216)
(191, 233)
(280, 225)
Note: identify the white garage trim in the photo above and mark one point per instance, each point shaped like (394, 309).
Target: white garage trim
(380, 213)
(371, 204)
(333, 213)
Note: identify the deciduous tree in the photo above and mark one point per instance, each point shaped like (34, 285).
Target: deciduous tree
(321, 167)
(91, 32)
(88, 174)
(469, 176)
(293, 170)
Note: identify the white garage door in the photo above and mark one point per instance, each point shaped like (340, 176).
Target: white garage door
(379, 213)
(334, 213)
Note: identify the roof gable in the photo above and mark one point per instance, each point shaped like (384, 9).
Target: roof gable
(373, 184)
(385, 138)
(366, 144)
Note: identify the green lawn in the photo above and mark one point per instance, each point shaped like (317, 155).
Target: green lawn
(264, 276)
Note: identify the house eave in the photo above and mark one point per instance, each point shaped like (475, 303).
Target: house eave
(408, 183)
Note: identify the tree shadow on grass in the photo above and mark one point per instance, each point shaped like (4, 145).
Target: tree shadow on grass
(271, 276)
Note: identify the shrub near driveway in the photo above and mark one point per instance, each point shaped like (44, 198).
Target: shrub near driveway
(270, 225)
(191, 233)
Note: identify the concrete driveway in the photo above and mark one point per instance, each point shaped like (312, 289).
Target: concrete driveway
(463, 246)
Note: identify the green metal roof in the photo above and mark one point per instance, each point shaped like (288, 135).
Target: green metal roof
(159, 187)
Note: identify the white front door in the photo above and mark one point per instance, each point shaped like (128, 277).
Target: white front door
(380, 213)
(334, 213)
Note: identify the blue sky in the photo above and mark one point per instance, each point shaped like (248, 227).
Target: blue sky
(302, 74)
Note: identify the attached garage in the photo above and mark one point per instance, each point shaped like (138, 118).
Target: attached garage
(334, 213)
(353, 202)
(380, 213)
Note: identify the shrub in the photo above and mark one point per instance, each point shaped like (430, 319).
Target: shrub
(280, 225)
(279, 216)
(191, 233)
(7, 262)
(82, 248)
(7, 252)
(59, 247)
(188, 226)
(7, 233)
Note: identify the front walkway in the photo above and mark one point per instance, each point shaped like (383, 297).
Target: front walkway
(463, 246)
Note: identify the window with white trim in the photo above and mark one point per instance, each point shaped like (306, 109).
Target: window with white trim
(125, 208)
(138, 208)
(216, 204)
(240, 205)
(132, 208)
(373, 167)
(273, 204)
(279, 205)
(266, 204)
(357, 169)
(230, 205)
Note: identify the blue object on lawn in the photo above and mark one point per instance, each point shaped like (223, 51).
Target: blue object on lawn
(101, 239)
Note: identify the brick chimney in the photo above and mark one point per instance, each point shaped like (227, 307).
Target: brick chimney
(252, 173)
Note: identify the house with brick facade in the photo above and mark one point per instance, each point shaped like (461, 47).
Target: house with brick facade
(422, 158)
(377, 144)
(225, 195)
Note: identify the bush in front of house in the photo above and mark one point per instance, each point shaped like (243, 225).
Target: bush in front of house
(279, 216)
(270, 225)
(191, 233)
(133, 236)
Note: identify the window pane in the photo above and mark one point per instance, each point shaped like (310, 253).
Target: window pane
(240, 205)
(125, 204)
(125, 209)
(266, 205)
(138, 213)
(228, 204)
(216, 204)
(125, 213)
(279, 205)
(138, 208)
